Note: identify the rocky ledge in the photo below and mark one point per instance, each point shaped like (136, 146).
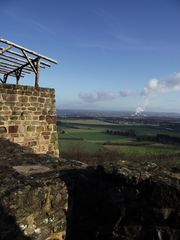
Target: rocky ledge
(46, 198)
(33, 199)
(125, 202)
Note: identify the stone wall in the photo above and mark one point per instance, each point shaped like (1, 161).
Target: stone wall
(28, 117)
(128, 201)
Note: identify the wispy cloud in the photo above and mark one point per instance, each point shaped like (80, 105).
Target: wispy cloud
(40, 27)
(114, 45)
(98, 96)
(116, 40)
(93, 97)
(128, 44)
(132, 43)
(70, 104)
(116, 37)
(156, 87)
(127, 93)
(36, 25)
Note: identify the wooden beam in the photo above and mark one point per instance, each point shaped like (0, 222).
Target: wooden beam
(5, 77)
(5, 72)
(21, 55)
(11, 68)
(29, 51)
(5, 49)
(29, 61)
(15, 66)
(5, 66)
(14, 59)
(9, 60)
(22, 67)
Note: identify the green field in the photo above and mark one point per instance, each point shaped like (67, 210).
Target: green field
(80, 139)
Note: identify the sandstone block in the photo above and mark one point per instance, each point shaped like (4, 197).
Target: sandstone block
(23, 99)
(41, 118)
(31, 128)
(3, 130)
(12, 129)
(51, 119)
(41, 100)
(33, 99)
(9, 97)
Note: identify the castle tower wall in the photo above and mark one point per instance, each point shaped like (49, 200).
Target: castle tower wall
(28, 117)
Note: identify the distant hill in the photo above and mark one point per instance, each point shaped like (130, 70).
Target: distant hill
(96, 113)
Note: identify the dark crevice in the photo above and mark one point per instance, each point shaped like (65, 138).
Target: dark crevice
(9, 229)
(110, 206)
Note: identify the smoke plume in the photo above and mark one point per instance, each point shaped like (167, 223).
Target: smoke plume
(156, 87)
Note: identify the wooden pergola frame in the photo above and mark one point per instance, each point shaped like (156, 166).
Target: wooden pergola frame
(17, 61)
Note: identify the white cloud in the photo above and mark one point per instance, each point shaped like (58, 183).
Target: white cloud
(127, 93)
(101, 96)
(98, 96)
(156, 87)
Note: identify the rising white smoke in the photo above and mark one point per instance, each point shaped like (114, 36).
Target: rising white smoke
(139, 111)
(156, 87)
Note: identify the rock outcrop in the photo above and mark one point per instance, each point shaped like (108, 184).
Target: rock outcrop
(45, 198)
(127, 201)
(33, 199)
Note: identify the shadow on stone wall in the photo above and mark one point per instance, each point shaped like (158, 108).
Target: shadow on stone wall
(9, 153)
(109, 206)
(9, 230)
(32, 197)
(13, 154)
(91, 214)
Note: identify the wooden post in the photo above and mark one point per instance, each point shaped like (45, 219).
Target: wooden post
(4, 78)
(18, 75)
(37, 74)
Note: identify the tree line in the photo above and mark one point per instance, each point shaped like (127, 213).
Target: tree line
(159, 138)
(127, 133)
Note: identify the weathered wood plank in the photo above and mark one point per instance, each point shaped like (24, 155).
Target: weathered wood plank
(28, 50)
(29, 61)
(14, 60)
(23, 57)
(5, 49)
(15, 65)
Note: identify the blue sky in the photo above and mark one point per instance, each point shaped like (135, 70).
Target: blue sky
(108, 50)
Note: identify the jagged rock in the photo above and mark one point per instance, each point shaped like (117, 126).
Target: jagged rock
(33, 199)
(35, 204)
(45, 198)
(123, 202)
